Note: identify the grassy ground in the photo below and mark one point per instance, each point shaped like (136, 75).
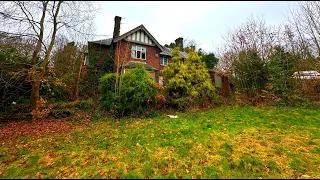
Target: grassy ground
(226, 142)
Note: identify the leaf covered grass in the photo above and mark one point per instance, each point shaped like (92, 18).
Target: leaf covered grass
(226, 142)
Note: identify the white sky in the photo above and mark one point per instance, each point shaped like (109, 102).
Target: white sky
(204, 21)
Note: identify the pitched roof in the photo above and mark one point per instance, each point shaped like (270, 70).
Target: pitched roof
(104, 41)
(141, 27)
(167, 52)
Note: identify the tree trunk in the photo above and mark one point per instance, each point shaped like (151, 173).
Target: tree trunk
(38, 76)
(76, 94)
(35, 94)
(36, 81)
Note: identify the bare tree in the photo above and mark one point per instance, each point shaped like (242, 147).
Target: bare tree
(190, 43)
(252, 34)
(43, 20)
(305, 20)
(226, 58)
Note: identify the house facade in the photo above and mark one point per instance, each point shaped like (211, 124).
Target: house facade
(138, 46)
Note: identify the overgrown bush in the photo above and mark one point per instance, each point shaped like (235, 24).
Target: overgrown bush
(160, 100)
(110, 99)
(135, 92)
(280, 68)
(14, 85)
(188, 83)
(54, 91)
(67, 64)
(250, 73)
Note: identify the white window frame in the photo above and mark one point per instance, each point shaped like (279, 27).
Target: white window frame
(162, 61)
(134, 52)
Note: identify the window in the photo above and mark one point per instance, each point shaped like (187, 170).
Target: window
(163, 61)
(138, 52)
(218, 81)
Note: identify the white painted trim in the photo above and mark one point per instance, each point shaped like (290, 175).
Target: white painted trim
(136, 49)
(138, 36)
(142, 36)
(146, 39)
(167, 61)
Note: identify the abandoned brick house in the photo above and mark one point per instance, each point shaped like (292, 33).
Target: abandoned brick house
(138, 46)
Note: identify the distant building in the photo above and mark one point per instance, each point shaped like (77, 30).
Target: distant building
(306, 75)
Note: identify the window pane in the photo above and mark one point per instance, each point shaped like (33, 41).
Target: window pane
(134, 48)
(133, 53)
(161, 60)
(138, 48)
(164, 61)
(138, 54)
(143, 55)
(143, 49)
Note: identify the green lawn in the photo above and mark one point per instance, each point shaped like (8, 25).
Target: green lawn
(226, 142)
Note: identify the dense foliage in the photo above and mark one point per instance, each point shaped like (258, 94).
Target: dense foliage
(67, 61)
(110, 99)
(250, 72)
(280, 68)
(188, 83)
(210, 59)
(14, 66)
(136, 92)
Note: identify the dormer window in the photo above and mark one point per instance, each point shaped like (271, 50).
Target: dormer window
(138, 52)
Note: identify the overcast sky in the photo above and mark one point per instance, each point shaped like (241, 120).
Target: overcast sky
(204, 21)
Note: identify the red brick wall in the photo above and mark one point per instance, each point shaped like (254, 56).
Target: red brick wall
(125, 56)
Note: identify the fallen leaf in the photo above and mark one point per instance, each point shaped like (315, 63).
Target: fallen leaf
(305, 176)
(126, 150)
(38, 175)
(267, 169)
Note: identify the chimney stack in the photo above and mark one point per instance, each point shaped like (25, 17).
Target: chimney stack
(179, 43)
(116, 30)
